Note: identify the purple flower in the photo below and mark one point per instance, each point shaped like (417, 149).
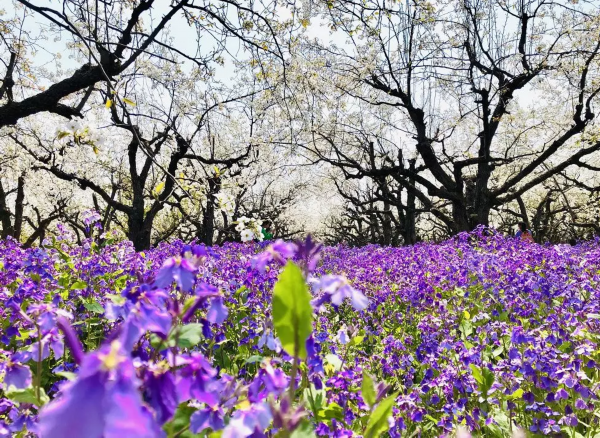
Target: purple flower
(17, 375)
(103, 402)
(336, 289)
(177, 269)
(203, 292)
(342, 335)
(208, 418)
(217, 312)
(271, 341)
(249, 421)
(279, 251)
(161, 394)
(198, 380)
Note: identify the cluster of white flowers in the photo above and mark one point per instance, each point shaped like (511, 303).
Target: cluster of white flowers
(226, 203)
(80, 133)
(249, 229)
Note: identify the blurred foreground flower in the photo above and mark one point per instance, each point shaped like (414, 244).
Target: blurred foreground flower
(103, 401)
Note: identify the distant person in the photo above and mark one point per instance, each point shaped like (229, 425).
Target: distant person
(523, 233)
(267, 231)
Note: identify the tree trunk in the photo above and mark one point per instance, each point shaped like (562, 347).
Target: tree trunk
(4, 214)
(208, 224)
(387, 224)
(18, 225)
(140, 229)
(410, 236)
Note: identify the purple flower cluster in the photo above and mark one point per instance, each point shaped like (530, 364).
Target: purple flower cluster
(481, 333)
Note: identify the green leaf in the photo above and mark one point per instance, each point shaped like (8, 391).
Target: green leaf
(254, 359)
(378, 420)
(357, 340)
(94, 307)
(304, 430)
(178, 425)
(484, 378)
(516, 395)
(189, 335)
(79, 285)
(292, 312)
(66, 374)
(476, 371)
(466, 328)
(27, 396)
(368, 390)
(332, 410)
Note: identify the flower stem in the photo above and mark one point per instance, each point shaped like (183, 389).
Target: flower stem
(292, 393)
(39, 367)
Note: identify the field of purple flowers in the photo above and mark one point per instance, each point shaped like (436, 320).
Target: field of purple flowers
(481, 334)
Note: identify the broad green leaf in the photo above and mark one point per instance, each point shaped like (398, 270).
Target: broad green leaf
(254, 359)
(466, 328)
(292, 312)
(484, 378)
(368, 390)
(476, 371)
(27, 395)
(304, 430)
(378, 420)
(180, 422)
(189, 335)
(332, 410)
(79, 285)
(357, 340)
(94, 307)
(516, 395)
(314, 398)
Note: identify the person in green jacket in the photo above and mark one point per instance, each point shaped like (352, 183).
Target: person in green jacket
(266, 230)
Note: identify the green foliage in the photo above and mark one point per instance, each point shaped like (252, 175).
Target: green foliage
(27, 395)
(178, 426)
(368, 390)
(484, 378)
(189, 335)
(292, 312)
(378, 420)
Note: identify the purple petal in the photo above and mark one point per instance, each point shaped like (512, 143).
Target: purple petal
(18, 376)
(217, 312)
